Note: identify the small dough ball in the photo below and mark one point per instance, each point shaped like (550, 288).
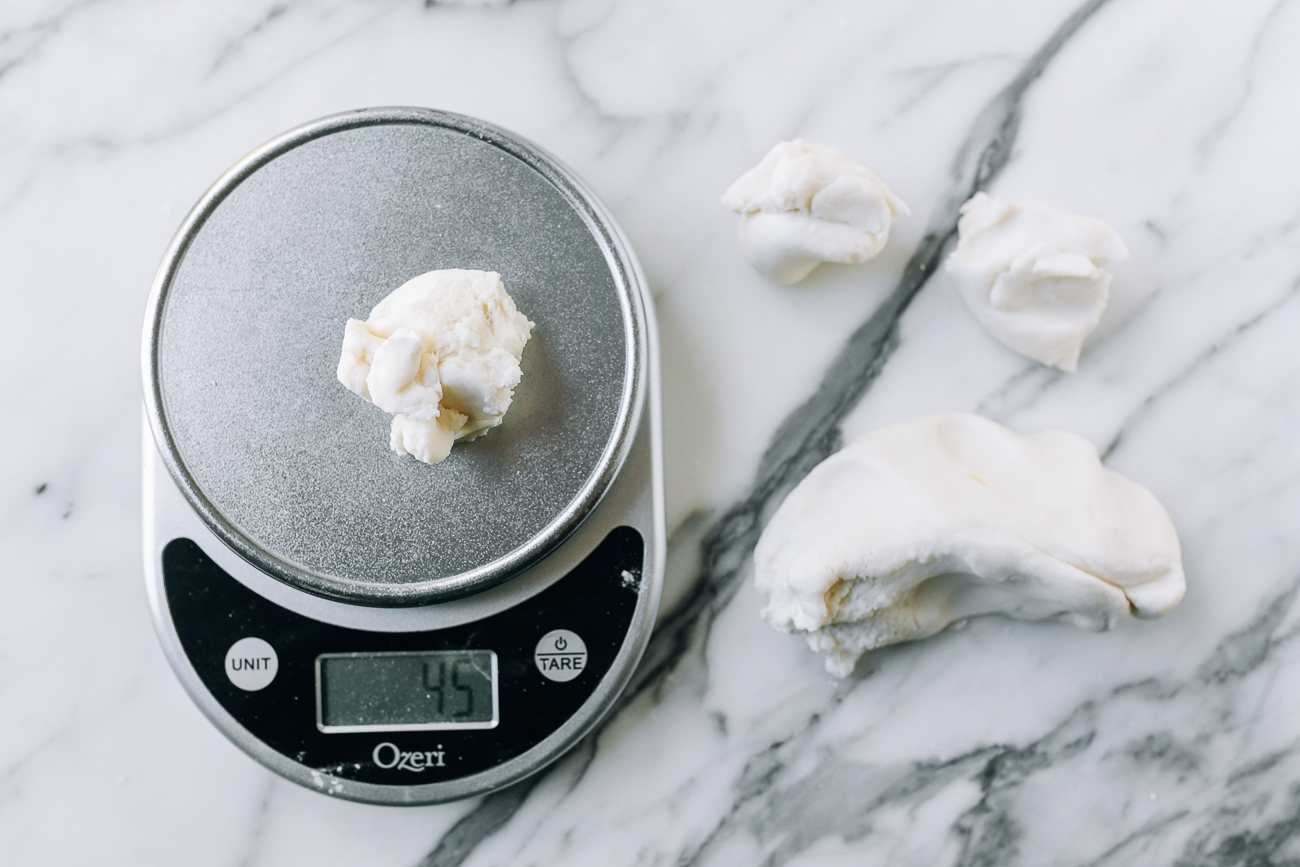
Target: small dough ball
(1034, 276)
(441, 353)
(805, 204)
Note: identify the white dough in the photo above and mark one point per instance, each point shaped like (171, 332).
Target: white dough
(921, 524)
(805, 204)
(441, 353)
(1034, 276)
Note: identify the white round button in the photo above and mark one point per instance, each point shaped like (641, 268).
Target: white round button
(560, 655)
(251, 664)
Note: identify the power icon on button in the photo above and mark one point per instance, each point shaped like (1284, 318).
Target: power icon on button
(561, 655)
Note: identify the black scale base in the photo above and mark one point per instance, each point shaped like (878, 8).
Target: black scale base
(211, 611)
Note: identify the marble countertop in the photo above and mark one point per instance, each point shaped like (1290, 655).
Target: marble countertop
(1169, 742)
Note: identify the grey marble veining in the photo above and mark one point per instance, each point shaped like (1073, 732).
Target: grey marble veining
(1171, 742)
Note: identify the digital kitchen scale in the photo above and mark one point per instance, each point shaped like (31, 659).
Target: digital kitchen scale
(364, 624)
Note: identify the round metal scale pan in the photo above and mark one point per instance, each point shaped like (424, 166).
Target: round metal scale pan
(245, 327)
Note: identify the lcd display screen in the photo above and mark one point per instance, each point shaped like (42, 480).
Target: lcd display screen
(374, 692)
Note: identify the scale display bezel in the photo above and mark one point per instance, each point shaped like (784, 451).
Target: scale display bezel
(494, 681)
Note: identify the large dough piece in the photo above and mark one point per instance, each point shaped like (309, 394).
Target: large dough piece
(924, 523)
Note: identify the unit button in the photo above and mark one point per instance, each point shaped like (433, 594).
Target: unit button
(561, 655)
(251, 664)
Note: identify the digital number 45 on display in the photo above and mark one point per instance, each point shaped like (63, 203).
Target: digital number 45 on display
(406, 691)
(464, 692)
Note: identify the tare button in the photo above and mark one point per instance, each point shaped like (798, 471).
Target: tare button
(560, 655)
(251, 664)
